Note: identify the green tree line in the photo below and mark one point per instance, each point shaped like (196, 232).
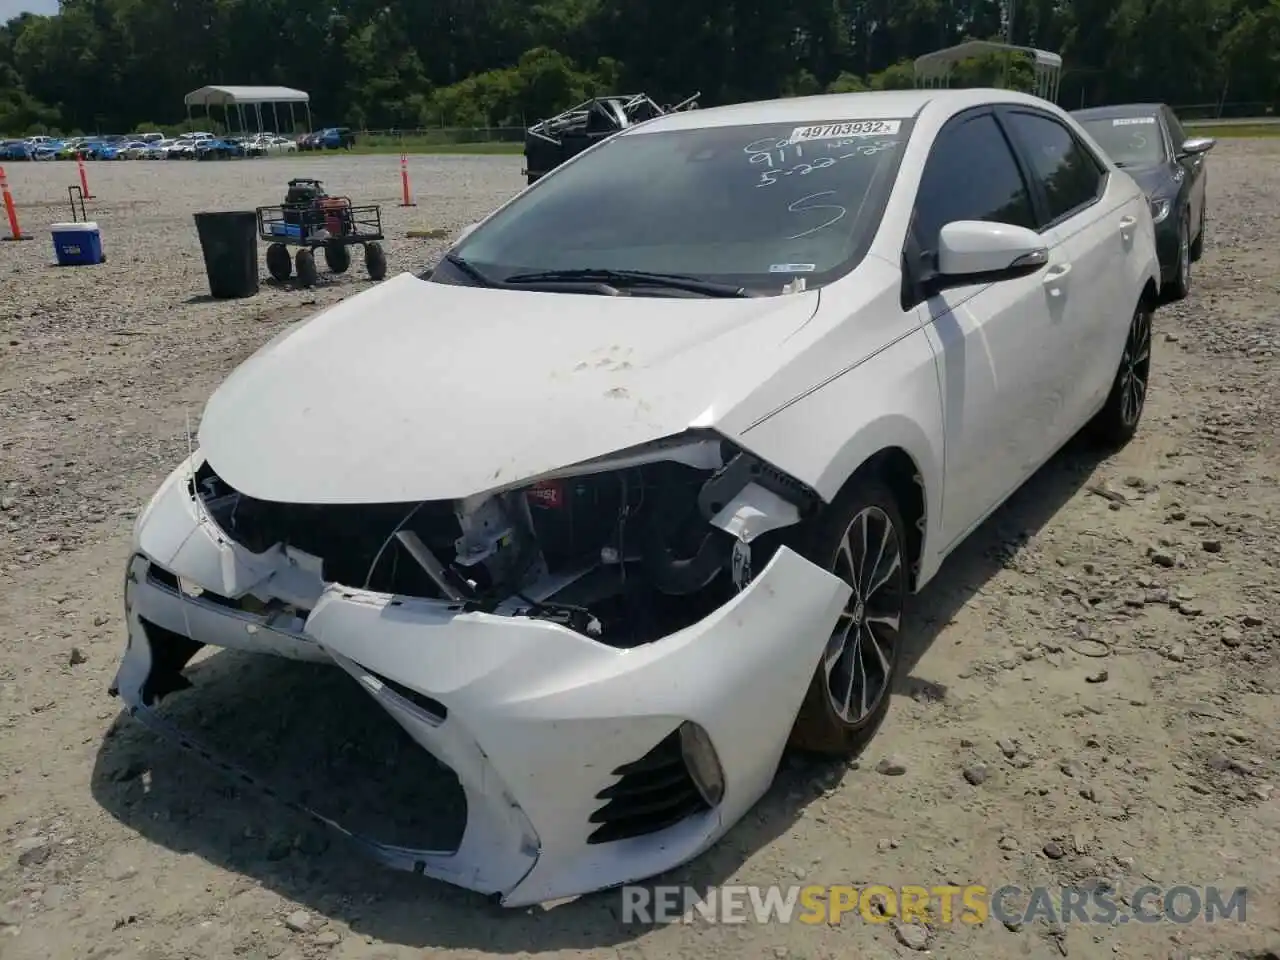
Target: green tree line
(110, 65)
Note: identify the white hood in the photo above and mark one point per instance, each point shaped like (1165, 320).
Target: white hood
(426, 391)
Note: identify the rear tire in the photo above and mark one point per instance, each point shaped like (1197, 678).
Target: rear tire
(306, 265)
(862, 539)
(1116, 423)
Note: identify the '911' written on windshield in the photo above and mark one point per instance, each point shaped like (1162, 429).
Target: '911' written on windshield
(781, 159)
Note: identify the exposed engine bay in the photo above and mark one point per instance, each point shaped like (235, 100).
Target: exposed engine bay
(624, 550)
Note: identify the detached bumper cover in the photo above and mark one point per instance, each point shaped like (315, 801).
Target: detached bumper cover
(534, 719)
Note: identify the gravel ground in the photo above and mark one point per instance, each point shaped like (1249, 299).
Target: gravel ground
(1094, 699)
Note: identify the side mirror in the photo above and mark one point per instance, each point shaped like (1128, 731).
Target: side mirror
(1195, 146)
(977, 251)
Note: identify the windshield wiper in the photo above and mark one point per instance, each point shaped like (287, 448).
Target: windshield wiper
(477, 275)
(631, 278)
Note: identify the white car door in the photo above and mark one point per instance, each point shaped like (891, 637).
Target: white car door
(996, 344)
(1095, 233)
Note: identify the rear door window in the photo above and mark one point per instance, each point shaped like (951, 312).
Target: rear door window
(1067, 171)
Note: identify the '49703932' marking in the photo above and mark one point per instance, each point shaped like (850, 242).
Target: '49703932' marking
(846, 128)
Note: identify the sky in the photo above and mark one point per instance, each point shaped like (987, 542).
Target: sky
(11, 8)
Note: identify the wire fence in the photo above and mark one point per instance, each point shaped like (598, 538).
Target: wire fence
(1240, 110)
(439, 136)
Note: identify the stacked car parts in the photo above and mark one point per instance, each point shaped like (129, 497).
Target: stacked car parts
(549, 143)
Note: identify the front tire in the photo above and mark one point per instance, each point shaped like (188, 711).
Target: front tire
(1180, 286)
(279, 263)
(1197, 245)
(1117, 422)
(337, 257)
(860, 538)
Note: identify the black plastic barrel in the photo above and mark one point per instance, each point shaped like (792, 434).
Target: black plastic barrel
(229, 241)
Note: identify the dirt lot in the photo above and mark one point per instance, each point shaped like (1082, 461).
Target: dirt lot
(1095, 700)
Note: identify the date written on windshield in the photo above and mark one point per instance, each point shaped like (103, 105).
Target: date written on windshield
(770, 176)
(847, 128)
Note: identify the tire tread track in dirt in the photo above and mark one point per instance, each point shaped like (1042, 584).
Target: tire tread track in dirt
(1093, 697)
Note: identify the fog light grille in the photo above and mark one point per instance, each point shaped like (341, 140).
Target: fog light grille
(651, 794)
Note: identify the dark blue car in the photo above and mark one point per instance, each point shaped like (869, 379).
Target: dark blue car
(15, 150)
(336, 138)
(219, 149)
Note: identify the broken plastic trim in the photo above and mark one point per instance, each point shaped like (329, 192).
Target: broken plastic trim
(748, 498)
(428, 561)
(742, 481)
(745, 470)
(675, 518)
(700, 449)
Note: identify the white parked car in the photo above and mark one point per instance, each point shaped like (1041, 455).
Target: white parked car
(635, 487)
(184, 148)
(134, 150)
(272, 145)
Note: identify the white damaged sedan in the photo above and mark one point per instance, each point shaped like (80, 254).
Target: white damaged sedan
(632, 489)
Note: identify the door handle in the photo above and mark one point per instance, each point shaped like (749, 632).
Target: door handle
(1054, 278)
(1127, 224)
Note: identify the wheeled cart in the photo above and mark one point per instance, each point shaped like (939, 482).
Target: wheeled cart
(310, 219)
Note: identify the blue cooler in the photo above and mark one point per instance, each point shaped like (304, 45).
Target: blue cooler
(77, 244)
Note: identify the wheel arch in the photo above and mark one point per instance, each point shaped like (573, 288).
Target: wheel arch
(899, 472)
(884, 420)
(1150, 294)
(896, 456)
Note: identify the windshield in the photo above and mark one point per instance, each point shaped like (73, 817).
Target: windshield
(1128, 141)
(753, 206)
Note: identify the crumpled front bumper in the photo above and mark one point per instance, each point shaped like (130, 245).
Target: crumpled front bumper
(534, 719)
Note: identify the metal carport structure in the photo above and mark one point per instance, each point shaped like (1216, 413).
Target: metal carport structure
(934, 69)
(255, 97)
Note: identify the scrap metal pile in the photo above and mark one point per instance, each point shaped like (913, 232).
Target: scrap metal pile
(549, 143)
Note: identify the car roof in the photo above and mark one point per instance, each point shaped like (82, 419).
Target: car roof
(1119, 110)
(837, 107)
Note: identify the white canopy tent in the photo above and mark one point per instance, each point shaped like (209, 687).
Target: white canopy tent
(934, 69)
(238, 98)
